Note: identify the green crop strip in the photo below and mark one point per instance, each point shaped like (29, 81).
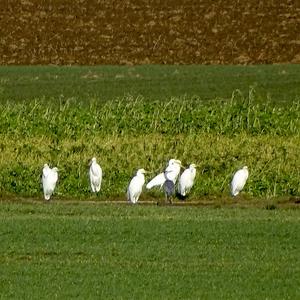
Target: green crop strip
(133, 132)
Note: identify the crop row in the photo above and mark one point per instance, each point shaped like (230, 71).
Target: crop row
(127, 134)
(71, 118)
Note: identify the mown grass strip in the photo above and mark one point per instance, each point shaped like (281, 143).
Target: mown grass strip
(111, 251)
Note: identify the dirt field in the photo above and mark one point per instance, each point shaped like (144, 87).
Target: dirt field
(141, 31)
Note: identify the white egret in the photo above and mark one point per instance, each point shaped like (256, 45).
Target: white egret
(135, 186)
(95, 175)
(186, 180)
(49, 180)
(171, 172)
(239, 180)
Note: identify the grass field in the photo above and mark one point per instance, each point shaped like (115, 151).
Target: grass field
(87, 251)
(279, 83)
(84, 246)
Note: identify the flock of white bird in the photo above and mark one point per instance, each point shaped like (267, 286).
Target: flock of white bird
(166, 180)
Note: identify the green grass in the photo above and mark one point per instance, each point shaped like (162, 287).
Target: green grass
(64, 250)
(278, 82)
(130, 132)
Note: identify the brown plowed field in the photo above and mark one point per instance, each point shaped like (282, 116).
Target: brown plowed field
(143, 31)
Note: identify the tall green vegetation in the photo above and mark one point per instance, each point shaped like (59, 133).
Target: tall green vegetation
(132, 132)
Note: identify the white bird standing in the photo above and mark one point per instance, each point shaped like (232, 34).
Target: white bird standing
(136, 186)
(49, 180)
(95, 175)
(186, 180)
(171, 173)
(239, 180)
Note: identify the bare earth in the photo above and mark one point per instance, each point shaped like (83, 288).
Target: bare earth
(156, 32)
(241, 201)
